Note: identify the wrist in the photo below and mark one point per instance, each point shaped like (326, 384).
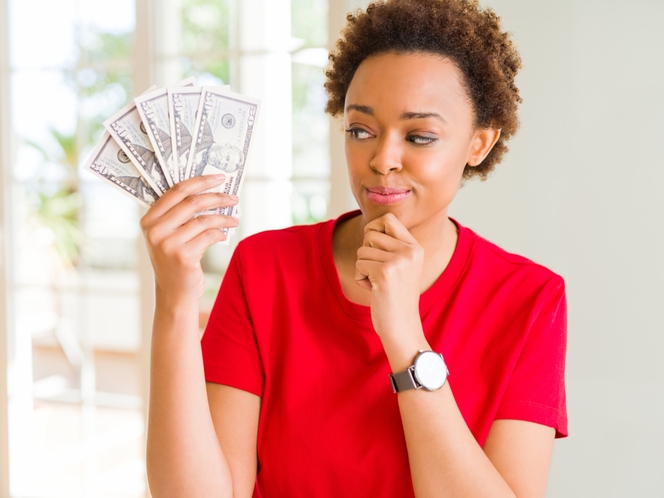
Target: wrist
(172, 297)
(180, 312)
(401, 353)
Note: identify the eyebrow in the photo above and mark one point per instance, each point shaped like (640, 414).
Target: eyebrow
(361, 108)
(421, 115)
(404, 117)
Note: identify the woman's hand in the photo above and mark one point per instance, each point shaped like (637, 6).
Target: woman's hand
(177, 238)
(390, 263)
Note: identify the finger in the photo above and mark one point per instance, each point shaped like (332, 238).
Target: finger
(390, 225)
(199, 244)
(365, 283)
(374, 254)
(180, 191)
(194, 227)
(380, 240)
(361, 279)
(194, 204)
(363, 271)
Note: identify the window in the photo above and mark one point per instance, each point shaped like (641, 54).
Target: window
(75, 398)
(76, 359)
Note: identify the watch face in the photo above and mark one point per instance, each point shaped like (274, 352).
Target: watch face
(430, 370)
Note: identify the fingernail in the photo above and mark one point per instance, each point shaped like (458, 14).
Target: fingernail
(219, 178)
(234, 197)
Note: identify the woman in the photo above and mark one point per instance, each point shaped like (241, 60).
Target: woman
(322, 355)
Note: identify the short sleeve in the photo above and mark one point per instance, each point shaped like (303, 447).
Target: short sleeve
(230, 350)
(536, 389)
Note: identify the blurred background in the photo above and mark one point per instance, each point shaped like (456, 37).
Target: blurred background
(580, 192)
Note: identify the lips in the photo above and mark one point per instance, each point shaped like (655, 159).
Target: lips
(386, 195)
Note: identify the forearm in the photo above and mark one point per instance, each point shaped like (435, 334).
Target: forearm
(184, 457)
(444, 457)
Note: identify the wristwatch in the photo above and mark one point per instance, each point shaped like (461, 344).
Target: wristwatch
(428, 371)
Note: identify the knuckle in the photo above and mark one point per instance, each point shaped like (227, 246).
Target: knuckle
(167, 247)
(178, 188)
(181, 257)
(202, 220)
(192, 200)
(144, 223)
(214, 235)
(152, 237)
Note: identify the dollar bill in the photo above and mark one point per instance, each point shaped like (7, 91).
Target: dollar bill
(153, 110)
(182, 108)
(222, 138)
(130, 133)
(109, 162)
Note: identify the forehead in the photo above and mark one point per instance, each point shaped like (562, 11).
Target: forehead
(409, 82)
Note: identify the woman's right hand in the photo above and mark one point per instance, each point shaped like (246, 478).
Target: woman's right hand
(177, 238)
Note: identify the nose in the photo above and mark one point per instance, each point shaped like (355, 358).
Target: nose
(387, 156)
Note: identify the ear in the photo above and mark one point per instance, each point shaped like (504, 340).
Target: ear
(481, 144)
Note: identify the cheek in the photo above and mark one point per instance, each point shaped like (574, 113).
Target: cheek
(356, 161)
(440, 176)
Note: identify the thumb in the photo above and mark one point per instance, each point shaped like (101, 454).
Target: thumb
(362, 280)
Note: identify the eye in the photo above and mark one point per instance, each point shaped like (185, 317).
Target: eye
(421, 140)
(358, 133)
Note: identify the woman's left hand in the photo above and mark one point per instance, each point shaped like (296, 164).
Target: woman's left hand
(390, 263)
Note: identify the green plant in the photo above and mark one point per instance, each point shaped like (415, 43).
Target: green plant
(101, 78)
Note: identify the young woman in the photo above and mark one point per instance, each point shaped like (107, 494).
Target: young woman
(328, 349)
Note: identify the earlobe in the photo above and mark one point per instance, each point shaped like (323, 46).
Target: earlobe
(483, 142)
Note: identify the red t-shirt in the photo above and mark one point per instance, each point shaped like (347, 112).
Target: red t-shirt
(329, 423)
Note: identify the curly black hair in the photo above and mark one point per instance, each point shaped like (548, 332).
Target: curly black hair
(459, 30)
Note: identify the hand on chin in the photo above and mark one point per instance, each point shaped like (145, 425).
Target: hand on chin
(389, 264)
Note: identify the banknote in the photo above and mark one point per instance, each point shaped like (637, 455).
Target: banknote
(130, 133)
(182, 107)
(109, 162)
(222, 138)
(153, 109)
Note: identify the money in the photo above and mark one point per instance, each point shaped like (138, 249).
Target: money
(171, 134)
(182, 107)
(153, 110)
(222, 138)
(109, 162)
(131, 135)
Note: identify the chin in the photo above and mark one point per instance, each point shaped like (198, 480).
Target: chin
(370, 213)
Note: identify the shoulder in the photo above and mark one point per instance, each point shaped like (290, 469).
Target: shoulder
(292, 249)
(291, 239)
(317, 236)
(511, 270)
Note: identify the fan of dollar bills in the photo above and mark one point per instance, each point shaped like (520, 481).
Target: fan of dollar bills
(168, 135)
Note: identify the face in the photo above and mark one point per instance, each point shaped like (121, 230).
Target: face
(409, 135)
(227, 159)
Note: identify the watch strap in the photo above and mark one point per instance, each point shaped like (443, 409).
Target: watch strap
(403, 381)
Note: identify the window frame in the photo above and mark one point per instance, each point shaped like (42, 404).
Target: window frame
(6, 309)
(150, 65)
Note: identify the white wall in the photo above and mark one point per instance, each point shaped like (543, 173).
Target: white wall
(581, 192)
